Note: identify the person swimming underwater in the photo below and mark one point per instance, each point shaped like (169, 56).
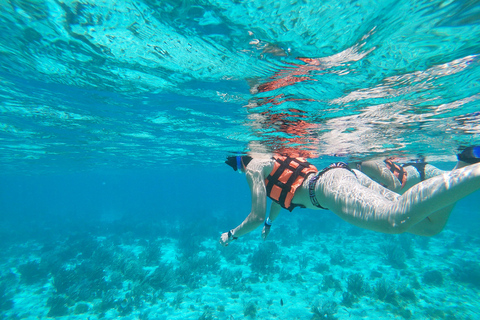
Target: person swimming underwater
(400, 177)
(348, 193)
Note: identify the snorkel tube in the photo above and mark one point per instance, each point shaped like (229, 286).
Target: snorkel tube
(239, 164)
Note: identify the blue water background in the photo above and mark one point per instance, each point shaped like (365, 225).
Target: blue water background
(75, 202)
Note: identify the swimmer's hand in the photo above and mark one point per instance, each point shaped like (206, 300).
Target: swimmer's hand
(265, 231)
(226, 238)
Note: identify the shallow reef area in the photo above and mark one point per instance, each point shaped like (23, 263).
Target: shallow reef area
(176, 271)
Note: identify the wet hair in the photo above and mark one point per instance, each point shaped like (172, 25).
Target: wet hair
(233, 161)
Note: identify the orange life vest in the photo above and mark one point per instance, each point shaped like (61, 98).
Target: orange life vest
(287, 175)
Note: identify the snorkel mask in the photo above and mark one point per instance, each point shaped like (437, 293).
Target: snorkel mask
(470, 155)
(238, 163)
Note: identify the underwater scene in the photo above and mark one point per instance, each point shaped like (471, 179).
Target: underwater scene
(117, 118)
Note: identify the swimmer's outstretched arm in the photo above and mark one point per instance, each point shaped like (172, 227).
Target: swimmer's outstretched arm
(257, 215)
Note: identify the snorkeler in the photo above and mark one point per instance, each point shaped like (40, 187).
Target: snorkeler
(399, 177)
(349, 193)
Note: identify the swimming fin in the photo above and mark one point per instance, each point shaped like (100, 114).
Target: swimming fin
(470, 155)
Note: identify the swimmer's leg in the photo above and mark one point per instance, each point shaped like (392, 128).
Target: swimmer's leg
(433, 195)
(433, 224)
(367, 182)
(343, 194)
(378, 171)
(432, 171)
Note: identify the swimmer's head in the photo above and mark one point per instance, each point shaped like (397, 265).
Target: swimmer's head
(238, 163)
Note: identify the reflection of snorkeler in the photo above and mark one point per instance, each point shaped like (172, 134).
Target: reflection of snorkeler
(350, 194)
(295, 134)
(293, 74)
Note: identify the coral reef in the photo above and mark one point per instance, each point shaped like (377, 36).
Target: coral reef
(407, 295)
(326, 311)
(32, 272)
(162, 278)
(108, 302)
(5, 302)
(64, 279)
(356, 287)
(131, 268)
(207, 315)
(467, 271)
(177, 301)
(231, 279)
(329, 282)
(321, 267)
(394, 255)
(250, 310)
(385, 291)
(151, 254)
(303, 262)
(262, 260)
(337, 258)
(58, 306)
(406, 243)
(81, 308)
(192, 268)
(355, 284)
(348, 299)
(83, 283)
(128, 276)
(433, 277)
(423, 242)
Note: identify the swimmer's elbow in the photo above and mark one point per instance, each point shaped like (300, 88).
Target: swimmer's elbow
(398, 228)
(256, 218)
(259, 220)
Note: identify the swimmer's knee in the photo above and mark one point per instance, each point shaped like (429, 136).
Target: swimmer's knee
(427, 230)
(398, 229)
(431, 231)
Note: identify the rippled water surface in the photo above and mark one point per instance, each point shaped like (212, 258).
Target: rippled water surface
(143, 83)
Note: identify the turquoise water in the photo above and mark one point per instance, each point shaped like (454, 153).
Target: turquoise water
(116, 118)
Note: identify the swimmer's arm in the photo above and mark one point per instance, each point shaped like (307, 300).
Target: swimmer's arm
(274, 212)
(259, 204)
(257, 215)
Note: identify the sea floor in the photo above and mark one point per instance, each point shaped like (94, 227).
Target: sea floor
(338, 273)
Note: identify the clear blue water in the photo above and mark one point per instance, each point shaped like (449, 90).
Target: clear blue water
(124, 84)
(116, 118)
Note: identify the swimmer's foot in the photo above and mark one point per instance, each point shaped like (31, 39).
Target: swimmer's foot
(470, 155)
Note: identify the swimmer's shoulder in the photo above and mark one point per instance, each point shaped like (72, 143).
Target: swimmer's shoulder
(262, 165)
